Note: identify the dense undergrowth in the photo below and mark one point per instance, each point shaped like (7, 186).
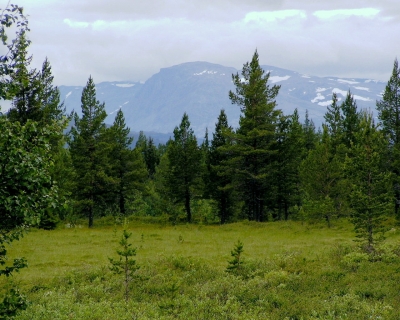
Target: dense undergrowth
(289, 270)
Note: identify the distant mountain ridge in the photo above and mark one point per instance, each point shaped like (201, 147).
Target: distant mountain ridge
(201, 89)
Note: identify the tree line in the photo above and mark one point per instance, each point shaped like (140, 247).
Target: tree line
(271, 167)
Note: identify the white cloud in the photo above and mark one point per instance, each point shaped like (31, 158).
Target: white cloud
(343, 13)
(76, 24)
(271, 16)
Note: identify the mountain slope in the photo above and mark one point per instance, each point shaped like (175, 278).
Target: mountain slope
(201, 89)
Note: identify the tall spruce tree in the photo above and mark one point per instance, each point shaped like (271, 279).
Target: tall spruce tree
(389, 116)
(220, 178)
(128, 169)
(89, 152)
(185, 159)
(370, 183)
(321, 173)
(310, 136)
(254, 147)
(290, 146)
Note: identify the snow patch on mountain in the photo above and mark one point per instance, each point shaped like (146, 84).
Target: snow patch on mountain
(205, 72)
(275, 79)
(362, 88)
(342, 92)
(305, 76)
(361, 98)
(318, 97)
(325, 103)
(125, 85)
(320, 89)
(347, 81)
(68, 94)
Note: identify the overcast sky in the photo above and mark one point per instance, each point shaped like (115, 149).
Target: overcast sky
(132, 39)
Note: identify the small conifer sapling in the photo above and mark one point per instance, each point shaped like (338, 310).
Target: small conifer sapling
(126, 265)
(235, 264)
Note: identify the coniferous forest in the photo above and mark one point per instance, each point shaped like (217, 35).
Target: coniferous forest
(340, 181)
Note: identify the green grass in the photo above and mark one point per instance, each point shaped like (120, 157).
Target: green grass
(292, 271)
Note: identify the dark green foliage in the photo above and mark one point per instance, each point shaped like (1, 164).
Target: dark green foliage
(25, 164)
(126, 265)
(321, 174)
(219, 178)
(89, 153)
(290, 148)
(310, 136)
(254, 145)
(389, 115)
(127, 167)
(235, 265)
(13, 302)
(27, 192)
(370, 183)
(185, 171)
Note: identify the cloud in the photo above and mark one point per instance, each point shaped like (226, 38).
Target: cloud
(132, 39)
(76, 24)
(272, 16)
(342, 13)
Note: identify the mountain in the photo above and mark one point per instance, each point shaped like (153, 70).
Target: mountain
(201, 89)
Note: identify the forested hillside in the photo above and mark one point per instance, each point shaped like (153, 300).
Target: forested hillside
(271, 167)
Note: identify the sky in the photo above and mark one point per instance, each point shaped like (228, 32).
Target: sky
(120, 40)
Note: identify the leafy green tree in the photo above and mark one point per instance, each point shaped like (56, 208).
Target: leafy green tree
(389, 116)
(254, 143)
(370, 183)
(220, 179)
(27, 192)
(185, 159)
(89, 150)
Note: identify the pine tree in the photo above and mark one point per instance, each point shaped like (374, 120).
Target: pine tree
(389, 116)
(89, 152)
(370, 183)
(184, 177)
(254, 145)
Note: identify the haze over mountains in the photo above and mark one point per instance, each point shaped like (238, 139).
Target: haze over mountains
(201, 89)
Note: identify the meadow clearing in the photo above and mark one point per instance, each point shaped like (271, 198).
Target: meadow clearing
(290, 270)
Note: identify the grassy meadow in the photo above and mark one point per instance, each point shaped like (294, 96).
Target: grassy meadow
(290, 270)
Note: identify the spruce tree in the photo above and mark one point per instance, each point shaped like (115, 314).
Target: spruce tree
(128, 170)
(89, 152)
(310, 136)
(321, 173)
(389, 116)
(370, 183)
(184, 176)
(290, 146)
(254, 144)
(220, 178)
